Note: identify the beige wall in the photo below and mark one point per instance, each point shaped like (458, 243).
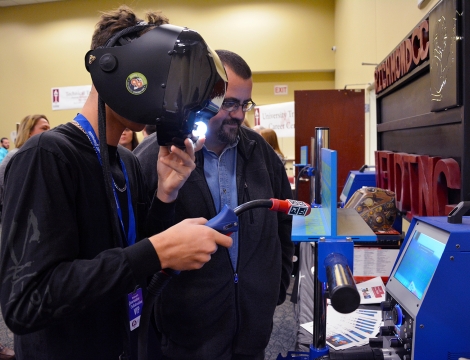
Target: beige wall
(43, 45)
(366, 31)
(286, 42)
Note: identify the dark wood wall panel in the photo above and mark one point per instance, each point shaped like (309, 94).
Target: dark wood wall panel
(443, 141)
(342, 111)
(450, 116)
(408, 101)
(409, 121)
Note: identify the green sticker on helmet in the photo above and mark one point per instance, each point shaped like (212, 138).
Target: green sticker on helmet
(136, 83)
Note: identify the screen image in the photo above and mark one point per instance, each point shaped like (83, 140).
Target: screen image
(419, 263)
(347, 187)
(303, 155)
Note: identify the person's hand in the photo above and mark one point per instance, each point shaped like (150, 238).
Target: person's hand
(174, 166)
(188, 245)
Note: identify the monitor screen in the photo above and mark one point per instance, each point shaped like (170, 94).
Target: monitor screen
(419, 263)
(347, 187)
(303, 155)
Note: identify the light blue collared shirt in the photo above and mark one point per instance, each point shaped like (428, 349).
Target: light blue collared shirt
(3, 153)
(221, 175)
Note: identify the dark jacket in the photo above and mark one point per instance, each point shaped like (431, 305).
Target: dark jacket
(206, 314)
(64, 282)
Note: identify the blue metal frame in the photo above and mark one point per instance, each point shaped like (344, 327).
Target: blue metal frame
(329, 246)
(323, 221)
(322, 226)
(443, 312)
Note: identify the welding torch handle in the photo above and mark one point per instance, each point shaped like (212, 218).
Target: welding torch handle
(288, 206)
(291, 207)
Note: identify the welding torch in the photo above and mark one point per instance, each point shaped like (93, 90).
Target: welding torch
(225, 222)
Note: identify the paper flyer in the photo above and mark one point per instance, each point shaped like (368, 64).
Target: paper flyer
(372, 291)
(348, 330)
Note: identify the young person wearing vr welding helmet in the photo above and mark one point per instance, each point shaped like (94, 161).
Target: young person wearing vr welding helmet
(74, 255)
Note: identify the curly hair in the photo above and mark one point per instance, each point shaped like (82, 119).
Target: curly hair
(121, 18)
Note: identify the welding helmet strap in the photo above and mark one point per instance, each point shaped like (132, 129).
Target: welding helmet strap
(120, 35)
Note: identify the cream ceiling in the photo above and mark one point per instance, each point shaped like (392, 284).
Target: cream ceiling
(4, 3)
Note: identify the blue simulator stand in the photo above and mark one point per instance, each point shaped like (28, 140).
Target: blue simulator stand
(334, 231)
(425, 312)
(327, 221)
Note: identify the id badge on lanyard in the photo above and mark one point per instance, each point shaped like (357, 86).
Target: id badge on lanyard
(136, 304)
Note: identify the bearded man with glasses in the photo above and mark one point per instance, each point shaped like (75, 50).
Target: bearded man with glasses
(225, 309)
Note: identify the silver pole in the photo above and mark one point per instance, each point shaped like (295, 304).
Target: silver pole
(322, 137)
(312, 162)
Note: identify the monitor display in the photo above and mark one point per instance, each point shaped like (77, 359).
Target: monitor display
(419, 263)
(303, 155)
(347, 187)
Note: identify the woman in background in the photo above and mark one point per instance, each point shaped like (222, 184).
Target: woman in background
(129, 139)
(258, 128)
(271, 137)
(29, 126)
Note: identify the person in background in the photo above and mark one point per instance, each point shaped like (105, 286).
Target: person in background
(271, 137)
(148, 130)
(225, 309)
(5, 145)
(29, 126)
(80, 237)
(258, 128)
(129, 139)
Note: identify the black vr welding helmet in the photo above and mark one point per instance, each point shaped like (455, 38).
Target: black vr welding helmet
(168, 77)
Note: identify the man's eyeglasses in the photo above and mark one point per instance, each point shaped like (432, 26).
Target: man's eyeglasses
(230, 105)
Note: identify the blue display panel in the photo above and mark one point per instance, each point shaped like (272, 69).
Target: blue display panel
(419, 263)
(355, 181)
(347, 188)
(304, 155)
(328, 221)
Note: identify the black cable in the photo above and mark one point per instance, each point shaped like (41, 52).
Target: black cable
(296, 195)
(116, 226)
(363, 167)
(161, 279)
(262, 203)
(118, 241)
(154, 289)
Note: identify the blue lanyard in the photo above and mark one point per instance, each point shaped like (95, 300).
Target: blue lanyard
(86, 126)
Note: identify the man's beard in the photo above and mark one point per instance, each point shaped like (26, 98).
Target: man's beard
(228, 136)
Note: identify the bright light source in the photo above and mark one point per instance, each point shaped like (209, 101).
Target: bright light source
(200, 129)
